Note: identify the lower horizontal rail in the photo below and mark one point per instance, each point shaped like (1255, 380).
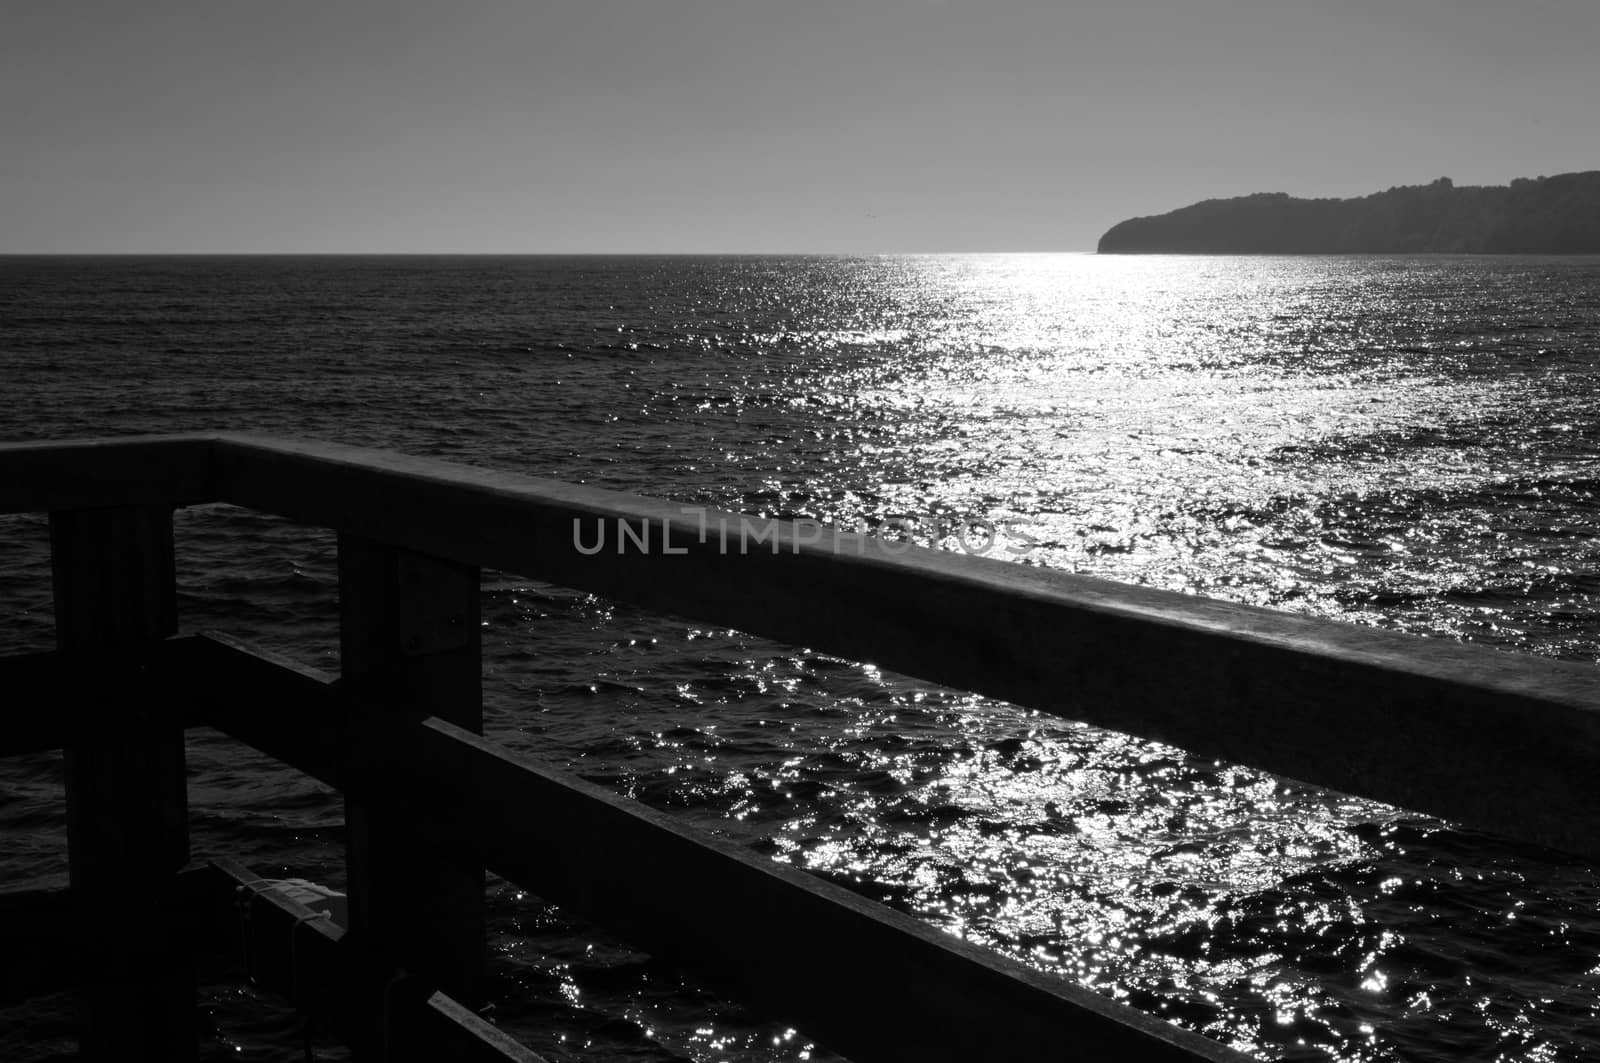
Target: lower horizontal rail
(299, 953)
(285, 947)
(866, 981)
(93, 696)
(48, 943)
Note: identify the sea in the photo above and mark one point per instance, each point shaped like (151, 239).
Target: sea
(1411, 443)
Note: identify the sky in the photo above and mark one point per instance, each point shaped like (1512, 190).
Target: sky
(647, 126)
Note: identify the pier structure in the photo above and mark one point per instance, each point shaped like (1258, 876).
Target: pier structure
(1503, 742)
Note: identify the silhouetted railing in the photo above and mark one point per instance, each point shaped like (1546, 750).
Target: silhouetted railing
(1503, 742)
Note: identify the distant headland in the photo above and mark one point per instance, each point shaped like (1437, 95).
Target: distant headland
(1539, 215)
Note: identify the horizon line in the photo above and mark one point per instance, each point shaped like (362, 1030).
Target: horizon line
(519, 254)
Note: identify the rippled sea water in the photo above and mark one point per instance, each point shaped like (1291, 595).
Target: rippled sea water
(1407, 442)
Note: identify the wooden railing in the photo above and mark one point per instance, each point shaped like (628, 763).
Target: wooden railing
(1504, 742)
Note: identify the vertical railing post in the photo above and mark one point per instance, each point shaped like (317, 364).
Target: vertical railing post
(127, 808)
(411, 647)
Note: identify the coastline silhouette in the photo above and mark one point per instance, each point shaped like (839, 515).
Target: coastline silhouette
(1542, 215)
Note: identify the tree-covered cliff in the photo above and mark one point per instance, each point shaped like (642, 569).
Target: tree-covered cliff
(1558, 214)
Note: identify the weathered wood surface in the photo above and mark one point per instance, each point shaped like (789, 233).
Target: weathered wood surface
(93, 473)
(127, 804)
(472, 1039)
(1501, 741)
(800, 948)
(259, 709)
(409, 639)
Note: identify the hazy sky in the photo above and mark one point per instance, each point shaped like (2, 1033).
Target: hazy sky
(713, 125)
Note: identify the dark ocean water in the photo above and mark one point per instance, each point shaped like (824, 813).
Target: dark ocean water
(1407, 442)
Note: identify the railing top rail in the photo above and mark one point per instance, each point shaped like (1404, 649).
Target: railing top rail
(117, 471)
(1508, 742)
